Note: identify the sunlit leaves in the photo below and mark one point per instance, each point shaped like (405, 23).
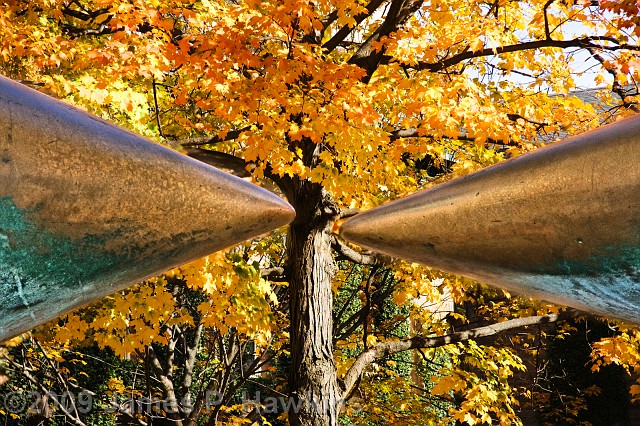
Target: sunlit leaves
(134, 319)
(623, 350)
(482, 383)
(237, 296)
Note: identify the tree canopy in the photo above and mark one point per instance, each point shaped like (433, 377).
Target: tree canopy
(337, 106)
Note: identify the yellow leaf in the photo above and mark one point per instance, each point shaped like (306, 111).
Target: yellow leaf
(444, 385)
(476, 45)
(101, 18)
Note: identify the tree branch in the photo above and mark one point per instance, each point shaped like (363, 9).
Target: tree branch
(347, 213)
(235, 165)
(84, 14)
(384, 289)
(412, 132)
(62, 381)
(515, 117)
(616, 87)
(384, 349)
(275, 274)
(167, 385)
(233, 134)
(352, 255)
(155, 103)
(582, 42)
(547, 31)
(369, 59)
(343, 32)
(76, 32)
(221, 160)
(46, 392)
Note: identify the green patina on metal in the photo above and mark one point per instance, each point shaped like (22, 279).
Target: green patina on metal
(606, 283)
(611, 261)
(37, 267)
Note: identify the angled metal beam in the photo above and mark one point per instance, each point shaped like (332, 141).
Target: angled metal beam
(561, 224)
(87, 208)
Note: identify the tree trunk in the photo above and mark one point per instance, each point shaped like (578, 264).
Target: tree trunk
(314, 391)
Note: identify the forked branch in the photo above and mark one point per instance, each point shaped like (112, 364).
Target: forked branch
(343, 32)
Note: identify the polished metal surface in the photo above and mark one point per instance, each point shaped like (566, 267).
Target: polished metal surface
(561, 224)
(87, 208)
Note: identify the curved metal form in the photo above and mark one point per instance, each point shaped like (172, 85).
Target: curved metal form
(87, 208)
(561, 223)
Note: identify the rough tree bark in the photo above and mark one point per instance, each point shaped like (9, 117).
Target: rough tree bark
(313, 384)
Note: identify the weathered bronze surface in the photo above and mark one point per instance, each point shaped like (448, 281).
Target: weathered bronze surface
(561, 224)
(87, 208)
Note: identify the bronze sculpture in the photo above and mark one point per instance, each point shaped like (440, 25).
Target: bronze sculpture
(561, 223)
(87, 208)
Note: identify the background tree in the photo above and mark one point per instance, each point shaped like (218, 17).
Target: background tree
(337, 105)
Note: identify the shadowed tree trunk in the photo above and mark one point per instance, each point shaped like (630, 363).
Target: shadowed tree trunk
(313, 381)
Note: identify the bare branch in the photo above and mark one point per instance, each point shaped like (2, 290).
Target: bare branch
(235, 165)
(384, 289)
(275, 274)
(354, 256)
(175, 334)
(76, 32)
(62, 381)
(30, 83)
(411, 132)
(166, 382)
(347, 302)
(387, 348)
(344, 214)
(516, 117)
(190, 362)
(74, 419)
(155, 103)
(221, 160)
(547, 31)
(231, 135)
(329, 19)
